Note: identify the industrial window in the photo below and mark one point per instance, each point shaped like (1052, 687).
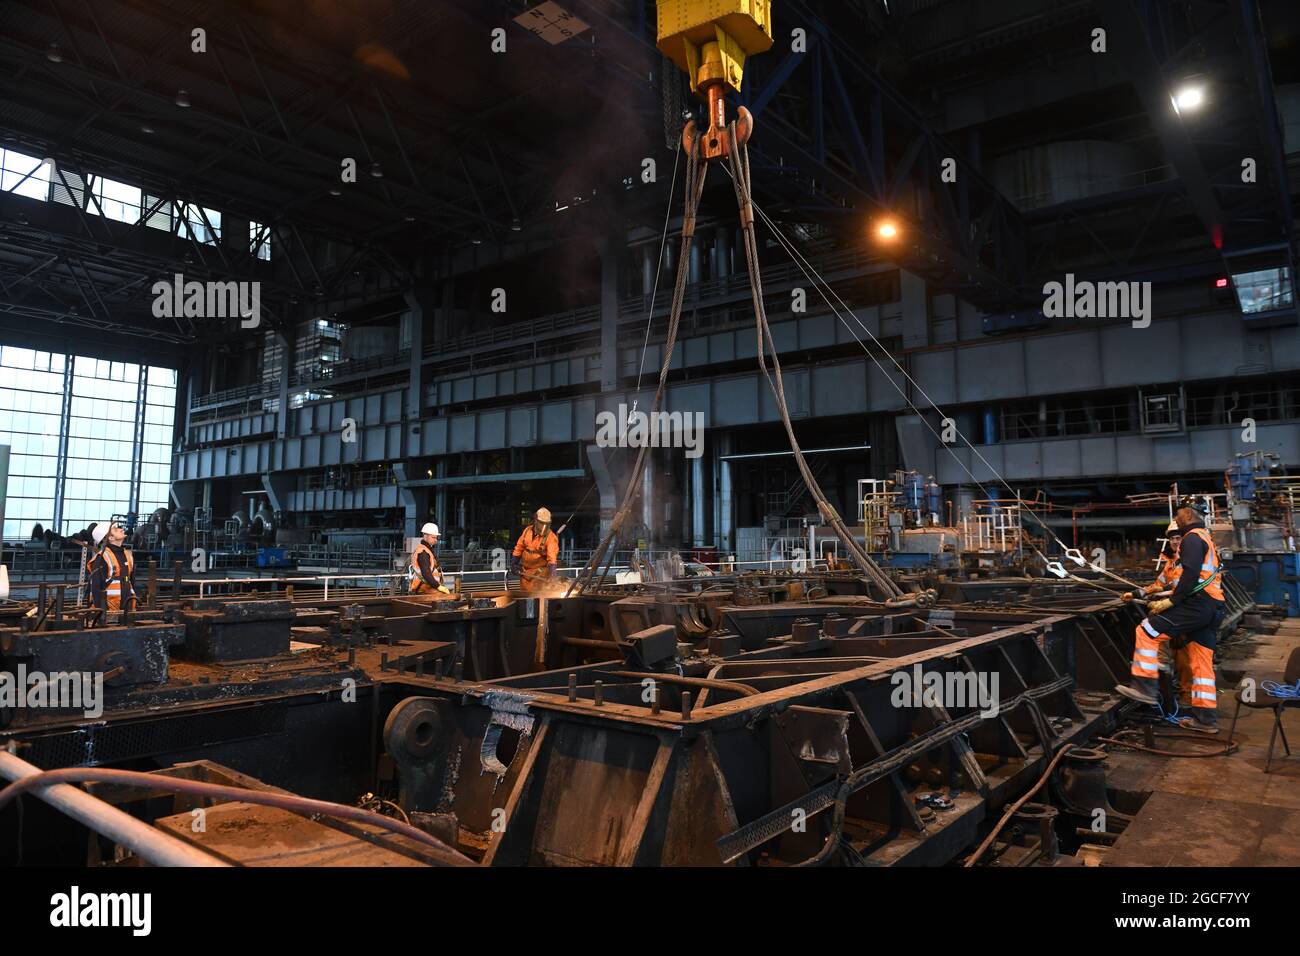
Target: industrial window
(117, 200)
(156, 446)
(259, 240)
(101, 442)
(68, 188)
(1162, 410)
(1265, 398)
(119, 427)
(31, 404)
(192, 221)
(1063, 416)
(161, 215)
(24, 175)
(1264, 291)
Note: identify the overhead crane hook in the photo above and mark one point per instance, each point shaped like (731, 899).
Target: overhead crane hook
(709, 40)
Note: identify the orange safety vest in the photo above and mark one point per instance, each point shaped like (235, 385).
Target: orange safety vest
(1211, 568)
(1167, 577)
(417, 582)
(115, 579)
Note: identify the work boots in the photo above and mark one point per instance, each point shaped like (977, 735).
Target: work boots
(1144, 690)
(1202, 720)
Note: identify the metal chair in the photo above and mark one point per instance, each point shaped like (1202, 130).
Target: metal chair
(1263, 701)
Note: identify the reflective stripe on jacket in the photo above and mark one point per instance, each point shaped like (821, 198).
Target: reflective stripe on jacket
(1210, 567)
(414, 570)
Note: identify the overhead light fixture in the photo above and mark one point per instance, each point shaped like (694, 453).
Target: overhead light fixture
(1188, 98)
(54, 54)
(887, 230)
(182, 99)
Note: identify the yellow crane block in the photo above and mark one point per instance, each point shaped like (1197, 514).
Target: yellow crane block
(710, 39)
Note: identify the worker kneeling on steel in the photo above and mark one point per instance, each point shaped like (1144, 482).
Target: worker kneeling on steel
(425, 572)
(536, 557)
(111, 569)
(1195, 608)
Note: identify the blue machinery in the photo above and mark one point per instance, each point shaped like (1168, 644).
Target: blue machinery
(1262, 505)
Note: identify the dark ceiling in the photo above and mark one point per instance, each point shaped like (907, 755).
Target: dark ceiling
(477, 148)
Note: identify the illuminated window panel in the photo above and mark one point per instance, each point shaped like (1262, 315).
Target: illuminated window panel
(108, 404)
(24, 175)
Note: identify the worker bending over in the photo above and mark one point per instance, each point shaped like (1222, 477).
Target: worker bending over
(537, 553)
(1195, 609)
(1177, 645)
(111, 569)
(425, 572)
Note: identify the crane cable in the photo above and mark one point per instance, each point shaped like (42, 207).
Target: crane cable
(740, 175)
(649, 318)
(820, 283)
(694, 189)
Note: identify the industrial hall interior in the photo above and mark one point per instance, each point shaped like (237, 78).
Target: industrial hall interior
(649, 433)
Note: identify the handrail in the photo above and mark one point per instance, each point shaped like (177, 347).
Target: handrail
(147, 842)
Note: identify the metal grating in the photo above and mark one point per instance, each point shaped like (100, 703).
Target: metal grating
(100, 744)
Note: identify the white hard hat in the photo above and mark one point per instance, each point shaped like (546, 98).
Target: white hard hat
(101, 531)
(544, 515)
(1173, 528)
(430, 528)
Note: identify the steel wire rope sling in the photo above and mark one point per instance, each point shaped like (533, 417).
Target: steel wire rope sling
(823, 287)
(740, 177)
(696, 168)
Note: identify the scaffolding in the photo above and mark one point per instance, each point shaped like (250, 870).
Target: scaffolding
(876, 498)
(992, 524)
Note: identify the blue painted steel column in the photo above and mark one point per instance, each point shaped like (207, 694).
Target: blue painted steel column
(990, 425)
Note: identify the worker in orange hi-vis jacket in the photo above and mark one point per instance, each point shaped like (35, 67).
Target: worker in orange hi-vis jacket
(1177, 644)
(424, 573)
(1195, 608)
(537, 553)
(111, 569)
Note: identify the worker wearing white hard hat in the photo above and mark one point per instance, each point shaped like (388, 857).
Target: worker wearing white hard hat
(536, 556)
(1169, 570)
(425, 573)
(111, 568)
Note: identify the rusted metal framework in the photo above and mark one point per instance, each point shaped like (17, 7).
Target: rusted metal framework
(799, 751)
(757, 720)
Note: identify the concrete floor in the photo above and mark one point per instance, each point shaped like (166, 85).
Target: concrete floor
(1220, 811)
